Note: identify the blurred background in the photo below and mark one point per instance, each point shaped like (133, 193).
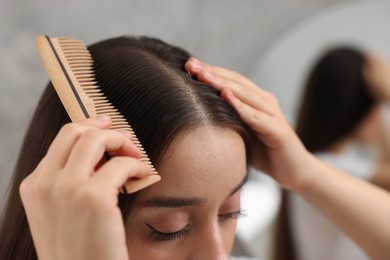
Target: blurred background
(272, 42)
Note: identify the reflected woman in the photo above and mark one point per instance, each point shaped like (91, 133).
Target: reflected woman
(341, 121)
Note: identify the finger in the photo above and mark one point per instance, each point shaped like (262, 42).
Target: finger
(264, 125)
(197, 67)
(107, 156)
(242, 87)
(208, 72)
(62, 144)
(265, 103)
(120, 170)
(256, 98)
(194, 66)
(91, 146)
(229, 75)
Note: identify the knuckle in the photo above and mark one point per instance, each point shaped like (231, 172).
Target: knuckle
(70, 129)
(120, 162)
(92, 133)
(33, 187)
(92, 136)
(24, 187)
(254, 118)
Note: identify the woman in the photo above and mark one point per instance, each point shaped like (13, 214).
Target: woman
(71, 202)
(341, 121)
(181, 123)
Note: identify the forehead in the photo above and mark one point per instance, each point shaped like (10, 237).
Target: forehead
(206, 161)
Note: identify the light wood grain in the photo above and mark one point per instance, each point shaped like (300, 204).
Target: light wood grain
(70, 68)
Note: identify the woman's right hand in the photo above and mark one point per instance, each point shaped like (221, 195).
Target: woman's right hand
(71, 198)
(377, 75)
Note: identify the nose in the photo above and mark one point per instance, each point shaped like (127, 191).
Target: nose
(211, 245)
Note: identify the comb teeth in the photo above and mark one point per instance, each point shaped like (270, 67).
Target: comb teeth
(78, 63)
(77, 58)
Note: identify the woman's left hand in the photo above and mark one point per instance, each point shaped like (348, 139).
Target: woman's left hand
(279, 151)
(281, 154)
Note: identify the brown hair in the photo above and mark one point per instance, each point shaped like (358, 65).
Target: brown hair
(335, 101)
(146, 80)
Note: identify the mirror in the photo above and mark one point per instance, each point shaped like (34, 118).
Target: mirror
(282, 69)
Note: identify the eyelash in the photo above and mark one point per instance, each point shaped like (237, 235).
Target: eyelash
(232, 215)
(172, 236)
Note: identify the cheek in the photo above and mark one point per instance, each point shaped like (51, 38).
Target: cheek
(139, 248)
(229, 233)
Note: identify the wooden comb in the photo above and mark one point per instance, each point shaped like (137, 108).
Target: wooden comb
(69, 65)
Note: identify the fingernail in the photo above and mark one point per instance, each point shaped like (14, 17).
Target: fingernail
(209, 76)
(196, 65)
(104, 118)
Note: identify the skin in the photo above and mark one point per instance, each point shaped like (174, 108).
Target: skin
(372, 130)
(71, 205)
(198, 198)
(377, 74)
(358, 208)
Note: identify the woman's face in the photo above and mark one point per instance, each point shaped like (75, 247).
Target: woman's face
(192, 212)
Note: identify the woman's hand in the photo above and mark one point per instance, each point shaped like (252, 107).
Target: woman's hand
(71, 198)
(279, 151)
(377, 75)
(344, 199)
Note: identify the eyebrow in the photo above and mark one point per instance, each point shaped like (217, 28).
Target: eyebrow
(239, 186)
(173, 202)
(177, 202)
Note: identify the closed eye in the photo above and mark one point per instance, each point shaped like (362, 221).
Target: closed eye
(232, 215)
(167, 236)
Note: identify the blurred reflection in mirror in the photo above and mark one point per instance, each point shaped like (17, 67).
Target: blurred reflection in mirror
(342, 120)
